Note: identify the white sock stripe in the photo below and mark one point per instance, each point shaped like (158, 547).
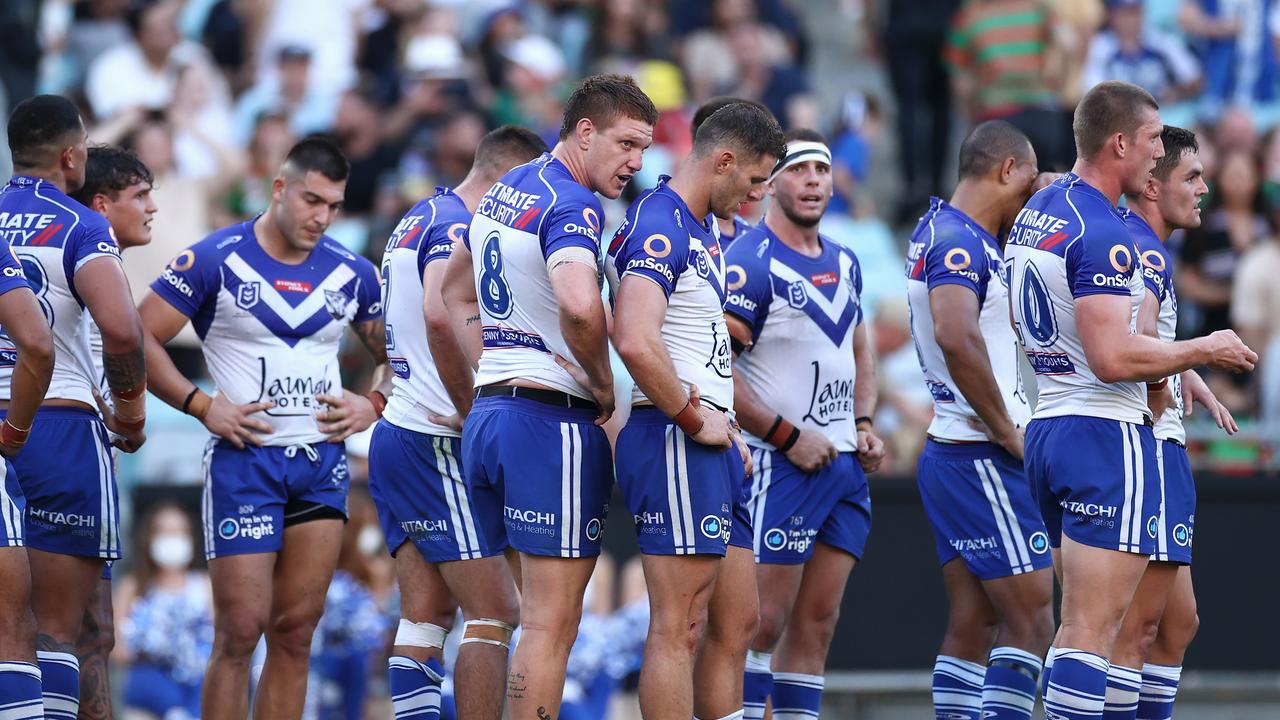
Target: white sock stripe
(970, 673)
(793, 714)
(759, 662)
(15, 666)
(799, 680)
(1164, 672)
(1018, 654)
(1125, 676)
(1071, 693)
(28, 710)
(59, 658)
(1095, 661)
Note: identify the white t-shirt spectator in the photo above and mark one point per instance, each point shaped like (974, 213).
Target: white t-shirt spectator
(1163, 64)
(122, 78)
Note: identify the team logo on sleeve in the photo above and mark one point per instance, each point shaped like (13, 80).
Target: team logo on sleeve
(339, 305)
(957, 259)
(183, 261)
(247, 295)
(735, 277)
(1154, 260)
(456, 232)
(1121, 258)
(657, 245)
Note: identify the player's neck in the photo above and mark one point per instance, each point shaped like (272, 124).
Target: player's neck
(1151, 214)
(472, 189)
(803, 240)
(575, 160)
(980, 203)
(1100, 179)
(53, 177)
(693, 189)
(274, 243)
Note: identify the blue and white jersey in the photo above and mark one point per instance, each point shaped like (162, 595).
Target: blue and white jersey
(949, 248)
(531, 219)
(425, 235)
(270, 329)
(802, 312)
(53, 237)
(1067, 243)
(1157, 273)
(661, 241)
(740, 228)
(11, 278)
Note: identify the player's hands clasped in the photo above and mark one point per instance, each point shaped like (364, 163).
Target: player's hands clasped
(346, 415)
(812, 452)
(234, 423)
(1228, 352)
(870, 451)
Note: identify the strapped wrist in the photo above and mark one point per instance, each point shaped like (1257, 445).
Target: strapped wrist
(689, 419)
(198, 404)
(379, 401)
(12, 435)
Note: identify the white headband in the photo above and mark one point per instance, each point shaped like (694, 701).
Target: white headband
(799, 151)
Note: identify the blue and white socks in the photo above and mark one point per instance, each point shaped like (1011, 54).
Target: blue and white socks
(60, 682)
(1078, 685)
(796, 696)
(20, 692)
(415, 688)
(1123, 686)
(1159, 688)
(1009, 688)
(957, 688)
(757, 684)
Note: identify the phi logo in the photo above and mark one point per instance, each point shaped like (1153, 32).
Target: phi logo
(775, 539)
(228, 529)
(247, 295)
(1039, 542)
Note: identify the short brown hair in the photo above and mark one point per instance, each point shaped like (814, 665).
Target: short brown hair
(1109, 108)
(603, 98)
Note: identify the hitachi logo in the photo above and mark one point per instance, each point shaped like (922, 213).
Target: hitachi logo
(650, 518)
(972, 544)
(61, 518)
(1088, 509)
(412, 527)
(532, 517)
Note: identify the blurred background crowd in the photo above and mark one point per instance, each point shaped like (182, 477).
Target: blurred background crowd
(211, 94)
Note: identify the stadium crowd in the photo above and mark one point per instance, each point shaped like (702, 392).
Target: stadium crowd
(211, 94)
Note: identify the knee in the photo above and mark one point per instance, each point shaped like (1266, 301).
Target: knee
(683, 628)
(236, 633)
(971, 629)
(1176, 633)
(816, 621)
(773, 620)
(1030, 630)
(736, 630)
(18, 624)
(291, 631)
(504, 608)
(558, 623)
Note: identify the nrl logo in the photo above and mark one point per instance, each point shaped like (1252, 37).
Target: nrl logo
(247, 295)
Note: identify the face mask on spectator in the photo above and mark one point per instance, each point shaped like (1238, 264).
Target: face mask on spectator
(171, 551)
(369, 541)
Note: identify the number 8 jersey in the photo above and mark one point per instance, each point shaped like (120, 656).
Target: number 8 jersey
(1067, 243)
(535, 217)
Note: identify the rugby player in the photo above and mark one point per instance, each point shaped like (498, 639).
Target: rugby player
(72, 263)
(732, 228)
(676, 462)
(804, 390)
(117, 186)
(1144, 675)
(445, 545)
(532, 444)
(1075, 286)
(270, 298)
(26, 366)
(991, 542)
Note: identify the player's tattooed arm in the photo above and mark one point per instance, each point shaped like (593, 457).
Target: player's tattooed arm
(26, 327)
(126, 372)
(458, 293)
(451, 359)
(373, 335)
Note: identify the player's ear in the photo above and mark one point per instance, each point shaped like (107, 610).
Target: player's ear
(1151, 190)
(583, 132)
(277, 188)
(98, 203)
(725, 160)
(1007, 170)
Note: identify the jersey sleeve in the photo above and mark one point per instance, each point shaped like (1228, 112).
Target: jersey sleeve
(191, 279)
(368, 292)
(11, 275)
(749, 289)
(1156, 273)
(572, 223)
(1100, 265)
(653, 247)
(957, 257)
(857, 286)
(439, 242)
(92, 242)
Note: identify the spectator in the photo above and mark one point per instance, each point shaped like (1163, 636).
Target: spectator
(1234, 41)
(165, 614)
(711, 60)
(144, 71)
(626, 33)
(923, 95)
(330, 28)
(778, 86)
(1154, 60)
(1075, 22)
(360, 133)
(851, 148)
(999, 53)
(290, 91)
(96, 27)
(905, 408)
(1211, 253)
(533, 88)
(1255, 314)
(1235, 131)
(250, 194)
